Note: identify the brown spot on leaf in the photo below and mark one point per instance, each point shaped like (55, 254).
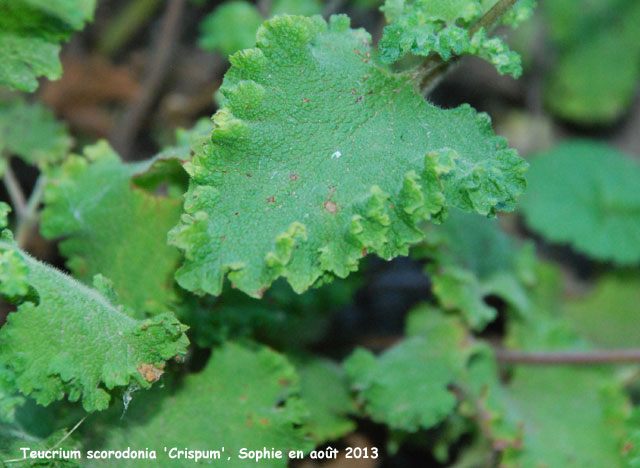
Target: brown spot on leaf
(263, 421)
(284, 382)
(149, 372)
(271, 199)
(305, 100)
(249, 175)
(359, 99)
(353, 91)
(293, 177)
(331, 206)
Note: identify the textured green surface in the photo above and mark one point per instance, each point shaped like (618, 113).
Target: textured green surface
(30, 34)
(301, 180)
(325, 392)
(243, 398)
(296, 7)
(609, 316)
(586, 194)
(230, 27)
(112, 227)
(406, 387)
(424, 27)
(31, 132)
(68, 339)
(596, 74)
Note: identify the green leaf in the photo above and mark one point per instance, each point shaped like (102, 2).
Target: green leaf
(595, 78)
(471, 259)
(378, 162)
(243, 398)
(407, 386)
(325, 392)
(608, 315)
(425, 27)
(68, 339)
(31, 132)
(112, 227)
(586, 194)
(231, 27)
(30, 34)
(459, 289)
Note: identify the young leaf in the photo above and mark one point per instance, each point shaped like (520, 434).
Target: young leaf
(31, 132)
(112, 227)
(424, 27)
(68, 339)
(407, 386)
(30, 34)
(378, 161)
(243, 398)
(586, 194)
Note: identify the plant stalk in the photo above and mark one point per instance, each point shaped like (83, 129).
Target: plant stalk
(574, 358)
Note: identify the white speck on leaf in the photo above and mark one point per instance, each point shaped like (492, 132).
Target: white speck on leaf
(336, 155)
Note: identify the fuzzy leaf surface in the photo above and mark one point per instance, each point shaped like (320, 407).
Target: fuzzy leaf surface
(31, 132)
(112, 227)
(243, 398)
(586, 194)
(69, 339)
(327, 156)
(30, 35)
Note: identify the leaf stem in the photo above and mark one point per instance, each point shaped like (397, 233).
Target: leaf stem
(30, 217)
(15, 192)
(574, 358)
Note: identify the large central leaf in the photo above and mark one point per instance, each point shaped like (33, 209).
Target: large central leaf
(321, 155)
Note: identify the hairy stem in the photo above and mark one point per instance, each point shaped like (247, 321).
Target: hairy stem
(434, 67)
(31, 216)
(574, 358)
(15, 192)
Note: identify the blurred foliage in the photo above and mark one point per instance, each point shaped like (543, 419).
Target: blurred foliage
(597, 69)
(586, 194)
